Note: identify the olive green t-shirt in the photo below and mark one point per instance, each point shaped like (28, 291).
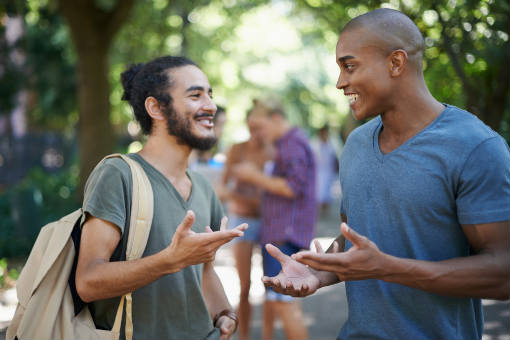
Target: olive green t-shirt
(173, 306)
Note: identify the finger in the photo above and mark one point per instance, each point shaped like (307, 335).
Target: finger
(268, 282)
(318, 247)
(355, 238)
(277, 253)
(226, 330)
(217, 238)
(336, 247)
(241, 227)
(322, 266)
(279, 283)
(223, 224)
(208, 230)
(186, 223)
(324, 258)
(223, 237)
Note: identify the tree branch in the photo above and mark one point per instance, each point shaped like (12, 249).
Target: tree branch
(118, 15)
(454, 58)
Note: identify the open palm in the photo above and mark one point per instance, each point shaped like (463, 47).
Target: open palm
(294, 279)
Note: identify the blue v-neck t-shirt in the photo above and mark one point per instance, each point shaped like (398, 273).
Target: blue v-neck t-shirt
(412, 202)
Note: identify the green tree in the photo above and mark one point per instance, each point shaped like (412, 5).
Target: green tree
(93, 25)
(467, 59)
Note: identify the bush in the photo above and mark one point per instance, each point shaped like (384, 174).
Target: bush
(26, 207)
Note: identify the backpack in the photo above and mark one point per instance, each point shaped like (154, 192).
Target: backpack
(47, 303)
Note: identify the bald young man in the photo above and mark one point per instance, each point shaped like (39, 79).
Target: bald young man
(425, 206)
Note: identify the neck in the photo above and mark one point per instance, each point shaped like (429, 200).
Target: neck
(408, 117)
(168, 156)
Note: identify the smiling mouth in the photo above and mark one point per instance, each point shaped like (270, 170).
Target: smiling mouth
(205, 120)
(352, 98)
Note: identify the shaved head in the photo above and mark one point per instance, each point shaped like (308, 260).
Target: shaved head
(389, 30)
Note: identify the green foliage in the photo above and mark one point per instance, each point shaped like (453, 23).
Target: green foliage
(7, 275)
(39, 199)
(50, 71)
(467, 59)
(46, 70)
(247, 49)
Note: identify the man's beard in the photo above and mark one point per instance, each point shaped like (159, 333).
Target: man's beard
(181, 128)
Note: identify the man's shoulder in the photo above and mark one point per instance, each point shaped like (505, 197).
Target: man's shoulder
(110, 168)
(114, 164)
(457, 127)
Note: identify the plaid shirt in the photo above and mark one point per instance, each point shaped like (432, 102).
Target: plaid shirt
(291, 219)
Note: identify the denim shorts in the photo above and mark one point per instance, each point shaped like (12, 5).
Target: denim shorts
(272, 267)
(252, 234)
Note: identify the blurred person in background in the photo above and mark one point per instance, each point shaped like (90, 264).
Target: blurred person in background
(288, 206)
(209, 163)
(243, 204)
(327, 167)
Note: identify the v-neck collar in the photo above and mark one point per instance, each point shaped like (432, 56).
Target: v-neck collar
(184, 203)
(378, 127)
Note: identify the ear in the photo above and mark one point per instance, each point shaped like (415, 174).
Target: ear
(398, 61)
(154, 109)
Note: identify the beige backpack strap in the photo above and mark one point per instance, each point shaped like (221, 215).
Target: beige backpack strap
(142, 209)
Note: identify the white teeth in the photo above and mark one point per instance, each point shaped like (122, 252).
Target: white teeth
(352, 98)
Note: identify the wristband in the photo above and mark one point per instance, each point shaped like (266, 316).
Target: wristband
(229, 314)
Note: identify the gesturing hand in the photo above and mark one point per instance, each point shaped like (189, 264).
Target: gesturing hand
(362, 261)
(189, 248)
(227, 327)
(294, 279)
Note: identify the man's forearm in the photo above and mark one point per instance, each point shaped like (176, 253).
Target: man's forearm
(484, 275)
(102, 280)
(214, 294)
(275, 185)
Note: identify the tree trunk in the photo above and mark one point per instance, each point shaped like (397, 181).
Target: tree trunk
(95, 130)
(92, 30)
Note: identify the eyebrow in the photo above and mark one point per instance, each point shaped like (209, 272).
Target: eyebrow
(197, 88)
(345, 58)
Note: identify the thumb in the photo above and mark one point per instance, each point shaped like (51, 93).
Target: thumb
(186, 223)
(276, 253)
(355, 238)
(318, 247)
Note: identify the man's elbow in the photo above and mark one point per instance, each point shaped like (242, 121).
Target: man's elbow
(84, 289)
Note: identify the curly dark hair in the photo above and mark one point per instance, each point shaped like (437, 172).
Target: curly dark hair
(150, 80)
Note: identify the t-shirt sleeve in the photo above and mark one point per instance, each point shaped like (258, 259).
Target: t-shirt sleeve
(483, 193)
(106, 192)
(294, 162)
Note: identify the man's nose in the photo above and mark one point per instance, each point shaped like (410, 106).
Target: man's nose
(341, 82)
(209, 105)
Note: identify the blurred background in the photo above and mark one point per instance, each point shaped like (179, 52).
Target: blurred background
(61, 108)
(60, 91)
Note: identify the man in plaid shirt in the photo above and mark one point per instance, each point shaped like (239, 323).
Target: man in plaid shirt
(289, 206)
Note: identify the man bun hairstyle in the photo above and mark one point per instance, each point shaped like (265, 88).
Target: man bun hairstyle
(126, 79)
(150, 80)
